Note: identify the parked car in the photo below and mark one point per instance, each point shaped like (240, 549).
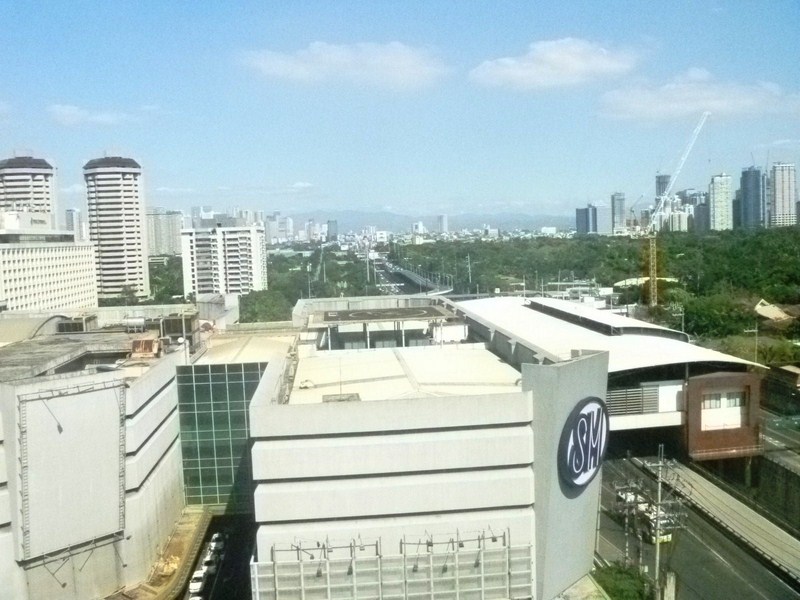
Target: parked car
(197, 582)
(210, 563)
(217, 542)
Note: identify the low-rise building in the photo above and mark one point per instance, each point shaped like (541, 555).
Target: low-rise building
(90, 461)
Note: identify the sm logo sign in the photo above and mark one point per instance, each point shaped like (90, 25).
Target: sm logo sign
(583, 443)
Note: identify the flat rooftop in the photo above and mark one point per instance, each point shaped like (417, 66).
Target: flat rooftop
(386, 314)
(393, 373)
(34, 357)
(245, 348)
(388, 309)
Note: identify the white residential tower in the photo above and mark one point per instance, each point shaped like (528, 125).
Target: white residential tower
(224, 260)
(115, 199)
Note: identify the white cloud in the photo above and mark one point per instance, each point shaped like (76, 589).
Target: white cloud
(174, 190)
(302, 185)
(393, 65)
(696, 91)
(554, 63)
(783, 142)
(70, 115)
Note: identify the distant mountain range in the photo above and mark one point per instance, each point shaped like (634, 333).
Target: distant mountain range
(354, 220)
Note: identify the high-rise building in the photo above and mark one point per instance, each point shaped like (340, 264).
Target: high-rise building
(26, 184)
(442, 222)
(224, 260)
(279, 229)
(115, 199)
(662, 184)
(333, 230)
(201, 213)
(618, 211)
(164, 232)
(701, 222)
(752, 207)
(783, 199)
(720, 203)
(605, 219)
(586, 220)
(73, 220)
(678, 221)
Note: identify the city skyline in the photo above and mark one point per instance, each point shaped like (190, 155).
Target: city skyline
(414, 109)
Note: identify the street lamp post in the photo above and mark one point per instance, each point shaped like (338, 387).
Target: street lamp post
(755, 351)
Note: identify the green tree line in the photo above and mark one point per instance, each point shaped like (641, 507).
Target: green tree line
(719, 277)
(322, 274)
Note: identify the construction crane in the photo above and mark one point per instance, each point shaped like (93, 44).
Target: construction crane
(634, 222)
(663, 210)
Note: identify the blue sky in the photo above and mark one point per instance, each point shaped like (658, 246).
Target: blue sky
(414, 107)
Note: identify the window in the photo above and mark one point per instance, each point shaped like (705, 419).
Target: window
(735, 399)
(712, 401)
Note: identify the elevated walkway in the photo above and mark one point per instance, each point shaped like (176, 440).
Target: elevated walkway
(767, 539)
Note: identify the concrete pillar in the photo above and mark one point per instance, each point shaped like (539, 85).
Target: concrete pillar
(669, 586)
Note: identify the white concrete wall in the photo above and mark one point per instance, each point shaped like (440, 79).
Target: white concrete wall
(383, 465)
(383, 454)
(671, 419)
(150, 515)
(142, 425)
(273, 420)
(722, 418)
(76, 508)
(566, 518)
(139, 465)
(5, 507)
(670, 395)
(395, 495)
(12, 578)
(152, 380)
(74, 467)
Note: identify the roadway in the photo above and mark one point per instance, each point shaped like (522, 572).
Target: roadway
(232, 579)
(708, 562)
(391, 282)
(781, 437)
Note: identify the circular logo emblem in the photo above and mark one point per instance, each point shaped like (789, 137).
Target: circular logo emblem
(583, 443)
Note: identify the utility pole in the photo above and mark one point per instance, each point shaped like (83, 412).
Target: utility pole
(658, 515)
(659, 467)
(629, 492)
(469, 270)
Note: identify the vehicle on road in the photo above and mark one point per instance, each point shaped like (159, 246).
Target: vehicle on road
(648, 518)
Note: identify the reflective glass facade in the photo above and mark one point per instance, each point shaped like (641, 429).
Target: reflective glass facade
(213, 403)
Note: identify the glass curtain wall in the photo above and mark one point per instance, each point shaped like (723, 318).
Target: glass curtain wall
(213, 403)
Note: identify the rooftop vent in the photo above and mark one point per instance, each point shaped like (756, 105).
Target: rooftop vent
(341, 398)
